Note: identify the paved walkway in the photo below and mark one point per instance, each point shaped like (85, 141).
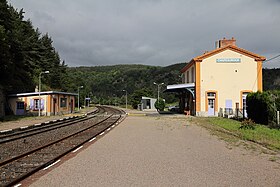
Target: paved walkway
(161, 151)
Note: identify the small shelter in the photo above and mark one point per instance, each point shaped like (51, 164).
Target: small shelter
(52, 103)
(148, 103)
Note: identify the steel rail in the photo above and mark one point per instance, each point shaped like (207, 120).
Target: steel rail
(112, 116)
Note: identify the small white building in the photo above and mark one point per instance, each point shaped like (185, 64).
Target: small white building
(148, 103)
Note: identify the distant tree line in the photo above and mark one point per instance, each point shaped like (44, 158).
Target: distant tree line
(25, 52)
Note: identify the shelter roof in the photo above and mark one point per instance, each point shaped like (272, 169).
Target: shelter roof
(42, 93)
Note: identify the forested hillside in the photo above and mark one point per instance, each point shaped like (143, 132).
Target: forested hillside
(106, 83)
(24, 53)
(271, 79)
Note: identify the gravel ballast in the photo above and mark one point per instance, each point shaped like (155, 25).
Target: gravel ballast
(162, 151)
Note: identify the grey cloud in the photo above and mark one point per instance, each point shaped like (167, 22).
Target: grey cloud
(154, 32)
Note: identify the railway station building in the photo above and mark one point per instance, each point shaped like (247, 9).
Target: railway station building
(52, 103)
(217, 82)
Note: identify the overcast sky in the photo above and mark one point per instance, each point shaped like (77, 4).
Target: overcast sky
(153, 32)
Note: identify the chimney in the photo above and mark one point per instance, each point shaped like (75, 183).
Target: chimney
(225, 42)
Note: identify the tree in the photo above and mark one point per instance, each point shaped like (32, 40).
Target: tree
(160, 104)
(137, 96)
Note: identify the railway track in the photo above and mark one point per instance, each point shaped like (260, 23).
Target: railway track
(30, 151)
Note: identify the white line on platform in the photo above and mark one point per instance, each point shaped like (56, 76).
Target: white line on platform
(113, 126)
(54, 120)
(92, 139)
(51, 165)
(77, 149)
(47, 122)
(38, 124)
(108, 129)
(101, 134)
(17, 185)
(24, 127)
(6, 130)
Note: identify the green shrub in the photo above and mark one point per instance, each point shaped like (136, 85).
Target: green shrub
(247, 124)
(261, 108)
(160, 104)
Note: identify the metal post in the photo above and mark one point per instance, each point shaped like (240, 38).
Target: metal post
(39, 114)
(40, 74)
(158, 88)
(79, 97)
(278, 120)
(125, 98)
(158, 92)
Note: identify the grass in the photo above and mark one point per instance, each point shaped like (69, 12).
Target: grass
(270, 138)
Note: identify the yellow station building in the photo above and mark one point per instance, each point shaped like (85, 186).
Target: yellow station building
(218, 81)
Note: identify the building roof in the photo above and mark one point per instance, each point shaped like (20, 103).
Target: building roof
(42, 93)
(181, 88)
(219, 50)
(148, 98)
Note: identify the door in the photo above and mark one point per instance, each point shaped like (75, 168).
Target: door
(20, 108)
(54, 106)
(71, 106)
(211, 107)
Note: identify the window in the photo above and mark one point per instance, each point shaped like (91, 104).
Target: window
(192, 73)
(63, 102)
(20, 105)
(211, 94)
(210, 103)
(36, 104)
(183, 78)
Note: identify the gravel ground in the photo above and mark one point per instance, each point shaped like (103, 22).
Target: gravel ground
(34, 120)
(162, 151)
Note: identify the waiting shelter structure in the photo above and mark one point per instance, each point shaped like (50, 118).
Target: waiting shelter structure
(52, 103)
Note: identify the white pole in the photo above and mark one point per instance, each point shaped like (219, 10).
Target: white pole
(40, 90)
(125, 99)
(278, 120)
(39, 114)
(158, 88)
(78, 98)
(158, 92)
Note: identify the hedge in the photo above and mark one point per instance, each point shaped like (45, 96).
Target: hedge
(262, 107)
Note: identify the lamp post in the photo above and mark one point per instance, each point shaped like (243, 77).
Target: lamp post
(158, 85)
(40, 75)
(125, 98)
(79, 97)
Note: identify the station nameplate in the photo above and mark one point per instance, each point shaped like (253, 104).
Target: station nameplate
(228, 60)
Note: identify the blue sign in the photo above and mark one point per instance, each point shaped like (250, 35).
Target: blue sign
(228, 60)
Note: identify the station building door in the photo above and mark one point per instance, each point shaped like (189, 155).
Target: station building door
(211, 103)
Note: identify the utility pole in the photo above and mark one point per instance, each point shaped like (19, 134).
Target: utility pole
(158, 85)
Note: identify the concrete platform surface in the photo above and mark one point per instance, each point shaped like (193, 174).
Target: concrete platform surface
(161, 151)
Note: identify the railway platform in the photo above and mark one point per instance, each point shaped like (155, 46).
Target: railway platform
(150, 150)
